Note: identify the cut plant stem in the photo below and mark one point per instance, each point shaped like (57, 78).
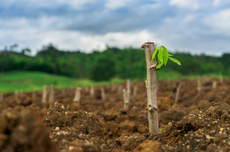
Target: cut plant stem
(92, 91)
(102, 93)
(44, 93)
(221, 79)
(33, 95)
(151, 88)
(16, 92)
(1, 97)
(128, 85)
(214, 84)
(126, 99)
(199, 84)
(77, 96)
(178, 93)
(51, 93)
(135, 90)
(119, 89)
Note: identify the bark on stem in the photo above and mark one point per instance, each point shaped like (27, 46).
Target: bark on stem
(151, 88)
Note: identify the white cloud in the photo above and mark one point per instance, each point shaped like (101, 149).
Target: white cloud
(191, 4)
(220, 2)
(113, 4)
(220, 22)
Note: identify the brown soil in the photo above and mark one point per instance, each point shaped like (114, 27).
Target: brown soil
(200, 121)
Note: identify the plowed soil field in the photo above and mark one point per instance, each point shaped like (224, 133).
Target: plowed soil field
(200, 121)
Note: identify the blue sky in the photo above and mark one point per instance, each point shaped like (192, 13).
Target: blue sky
(194, 26)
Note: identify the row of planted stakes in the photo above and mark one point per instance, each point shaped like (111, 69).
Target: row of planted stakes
(193, 116)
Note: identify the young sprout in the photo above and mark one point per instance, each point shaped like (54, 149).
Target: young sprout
(163, 57)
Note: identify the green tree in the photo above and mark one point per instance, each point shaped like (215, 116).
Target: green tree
(103, 70)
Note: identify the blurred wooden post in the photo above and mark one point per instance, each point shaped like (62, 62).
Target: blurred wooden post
(221, 79)
(33, 95)
(199, 84)
(77, 97)
(135, 90)
(1, 96)
(119, 89)
(102, 93)
(44, 94)
(63, 92)
(126, 100)
(128, 85)
(151, 88)
(51, 93)
(16, 92)
(214, 84)
(178, 93)
(92, 91)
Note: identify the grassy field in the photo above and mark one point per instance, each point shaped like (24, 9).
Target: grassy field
(34, 81)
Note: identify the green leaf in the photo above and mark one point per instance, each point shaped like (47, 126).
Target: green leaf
(160, 55)
(175, 60)
(159, 65)
(170, 54)
(154, 53)
(165, 51)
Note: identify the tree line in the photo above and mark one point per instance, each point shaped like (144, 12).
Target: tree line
(112, 62)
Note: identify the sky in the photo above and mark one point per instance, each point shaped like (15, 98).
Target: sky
(195, 26)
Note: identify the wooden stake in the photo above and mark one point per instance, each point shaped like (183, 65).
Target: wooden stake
(151, 88)
(44, 94)
(77, 97)
(178, 93)
(126, 100)
(51, 93)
